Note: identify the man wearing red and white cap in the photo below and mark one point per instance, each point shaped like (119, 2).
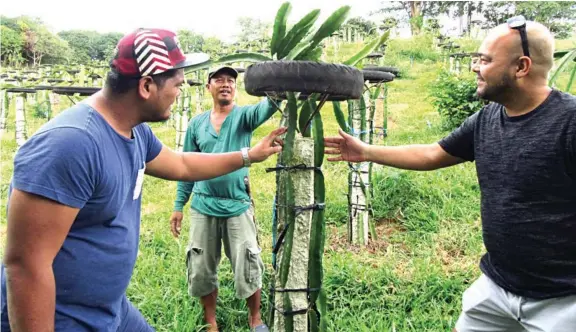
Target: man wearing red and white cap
(75, 196)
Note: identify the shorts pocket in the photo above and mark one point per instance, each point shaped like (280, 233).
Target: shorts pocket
(193, 261)
(252, 269)
(477, 295)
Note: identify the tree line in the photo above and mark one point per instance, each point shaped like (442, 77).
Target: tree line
(27, 41)
(558, 16)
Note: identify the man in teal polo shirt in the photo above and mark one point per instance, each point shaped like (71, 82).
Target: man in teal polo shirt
(221, 209)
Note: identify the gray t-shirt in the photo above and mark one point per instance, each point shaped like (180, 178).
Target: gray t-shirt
(526, 168)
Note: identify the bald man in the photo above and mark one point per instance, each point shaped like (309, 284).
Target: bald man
(524, 146)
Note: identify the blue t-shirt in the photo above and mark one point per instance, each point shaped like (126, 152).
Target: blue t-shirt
(79, 160)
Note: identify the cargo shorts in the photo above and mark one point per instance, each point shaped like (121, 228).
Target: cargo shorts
(203, 253)
(486, 307)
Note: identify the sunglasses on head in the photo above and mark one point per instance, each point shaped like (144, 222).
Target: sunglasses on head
(519, 23)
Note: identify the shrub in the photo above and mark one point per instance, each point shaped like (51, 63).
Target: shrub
(454, 97)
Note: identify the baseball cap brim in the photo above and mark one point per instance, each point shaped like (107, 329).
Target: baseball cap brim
(229, 70)
(193, 59)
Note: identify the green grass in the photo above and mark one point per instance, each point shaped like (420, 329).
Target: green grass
(411, 279)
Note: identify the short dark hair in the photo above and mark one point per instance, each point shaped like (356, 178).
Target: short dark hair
(120, 84)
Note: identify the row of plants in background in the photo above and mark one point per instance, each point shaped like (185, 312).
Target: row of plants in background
(360, 123)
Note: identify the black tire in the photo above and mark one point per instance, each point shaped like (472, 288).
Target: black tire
(393, 70)
(194, 83)
(304, 96)
(374, 55)
(374, 76)
(72, 90)
(43, 87)
(306, 77)
(21, 90)
(55, 80)
(240, 70)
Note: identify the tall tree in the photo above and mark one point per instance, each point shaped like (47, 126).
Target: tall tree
(414, 12)
(11, 43)
(253, 31)
(90, 46)
(558, 16)
(39, 42)
(105, 45)
(463, 11)
(361, 24)
(190, 41)
(212, 46)
(82, 44)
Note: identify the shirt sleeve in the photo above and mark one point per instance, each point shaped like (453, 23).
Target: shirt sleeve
(255, 115)
(61, 164)
(460, 143)
(184, 188)
(153, 143)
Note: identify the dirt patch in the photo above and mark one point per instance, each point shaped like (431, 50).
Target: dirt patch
(452, 252)
(454, 262)
(337, 239)
(379, 115)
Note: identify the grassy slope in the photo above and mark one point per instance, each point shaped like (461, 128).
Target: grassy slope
(411, 279)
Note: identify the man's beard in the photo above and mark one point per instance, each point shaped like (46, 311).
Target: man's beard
(155, 116)
(224, 102)
(498, 92)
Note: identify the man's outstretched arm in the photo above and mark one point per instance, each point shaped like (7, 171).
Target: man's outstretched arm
(197, 166)
(422, 157)
(256, 115)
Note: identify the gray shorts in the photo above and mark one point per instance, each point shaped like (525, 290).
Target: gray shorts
(486, 307)
(238, 234)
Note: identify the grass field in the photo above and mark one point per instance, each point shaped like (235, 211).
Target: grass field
(411, 279)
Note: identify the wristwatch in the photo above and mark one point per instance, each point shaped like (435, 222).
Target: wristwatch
(245, 157)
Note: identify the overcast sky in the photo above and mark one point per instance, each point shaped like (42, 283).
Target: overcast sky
(211, 18)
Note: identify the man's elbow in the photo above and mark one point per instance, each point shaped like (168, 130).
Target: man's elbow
(19, 261)
(432, 157)
(192, 167)
(21, 268)
(438, 158)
